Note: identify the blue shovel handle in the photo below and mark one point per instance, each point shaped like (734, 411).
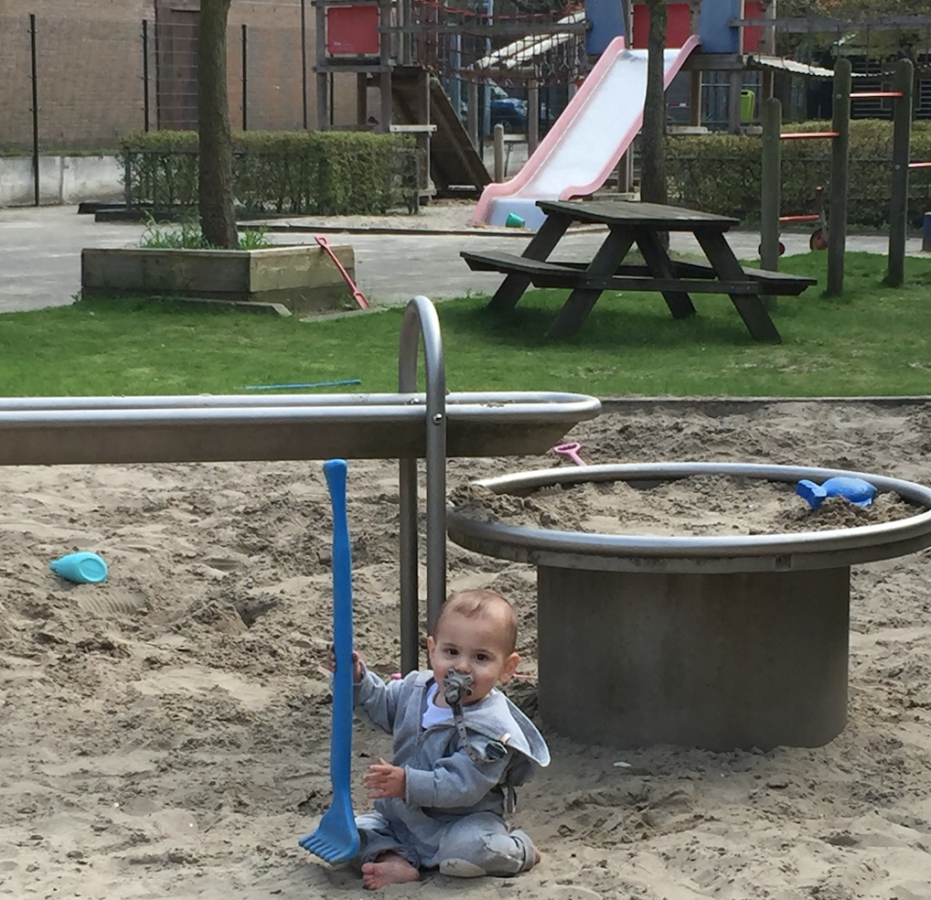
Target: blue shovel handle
(341, 742)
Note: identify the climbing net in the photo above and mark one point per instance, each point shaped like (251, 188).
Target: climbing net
(519, 42)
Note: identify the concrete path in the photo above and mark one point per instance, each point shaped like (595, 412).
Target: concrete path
(40, 254)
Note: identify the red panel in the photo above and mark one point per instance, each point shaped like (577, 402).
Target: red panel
(352, 30)
(641, 26)
(678, 25)
(753, 34)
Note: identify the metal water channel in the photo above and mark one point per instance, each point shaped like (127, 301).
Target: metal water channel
(408, 425)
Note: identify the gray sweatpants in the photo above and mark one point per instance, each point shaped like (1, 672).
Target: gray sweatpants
(465, 847)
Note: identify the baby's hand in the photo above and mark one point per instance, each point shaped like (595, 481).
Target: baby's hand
(385, 780)
(357, 663)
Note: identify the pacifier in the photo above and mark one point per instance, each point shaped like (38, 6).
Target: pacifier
(456, 686)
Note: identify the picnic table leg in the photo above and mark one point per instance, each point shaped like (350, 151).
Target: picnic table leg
(540, 246)
(750, 306)
(661, 266)
(605, 262)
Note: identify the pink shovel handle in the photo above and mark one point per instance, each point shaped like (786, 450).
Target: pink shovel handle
(571, 451)
(357, 295)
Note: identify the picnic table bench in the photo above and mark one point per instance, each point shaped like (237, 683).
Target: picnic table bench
(639, 224)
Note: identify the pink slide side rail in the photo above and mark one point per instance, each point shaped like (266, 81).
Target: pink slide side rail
(562, 131)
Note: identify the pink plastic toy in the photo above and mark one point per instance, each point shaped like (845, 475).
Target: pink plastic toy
(357, 295)
(570, 451)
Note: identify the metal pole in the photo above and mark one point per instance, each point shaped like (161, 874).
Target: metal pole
(245, 77)
(158, 103)
(145, 75)
(455, 87)
(771, 181)
(127, 181)
(489, 6)
(473, 115)
(322, 77)
(898, 204)
(840, 157)
(304, 60)
(35, 106)
(533, 117)
(499, 152)
(421, 320)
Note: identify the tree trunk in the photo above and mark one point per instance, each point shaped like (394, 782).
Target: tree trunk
(217, 213)
(653, 135)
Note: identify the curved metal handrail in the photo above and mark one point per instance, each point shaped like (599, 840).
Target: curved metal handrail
(420, 319)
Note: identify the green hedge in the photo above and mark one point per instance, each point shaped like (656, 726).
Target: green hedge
(311, 173)
(720, 173)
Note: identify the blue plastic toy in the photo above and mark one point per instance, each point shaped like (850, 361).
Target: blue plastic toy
(856, 490)
(337, 839)
(81, 568)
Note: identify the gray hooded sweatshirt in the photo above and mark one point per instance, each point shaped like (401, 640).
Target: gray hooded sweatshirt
(443, 781)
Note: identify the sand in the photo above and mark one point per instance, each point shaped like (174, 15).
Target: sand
(166, 733)
(712, 505)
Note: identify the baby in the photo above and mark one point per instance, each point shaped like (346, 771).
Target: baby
(460, 750)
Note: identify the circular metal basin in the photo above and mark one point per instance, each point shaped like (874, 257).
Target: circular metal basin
(718, 642)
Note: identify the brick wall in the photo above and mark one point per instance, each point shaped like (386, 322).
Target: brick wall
(90, 70)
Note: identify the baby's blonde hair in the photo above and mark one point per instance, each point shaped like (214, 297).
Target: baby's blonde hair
(478, 602)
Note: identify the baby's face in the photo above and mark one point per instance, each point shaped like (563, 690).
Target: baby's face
(473, 647)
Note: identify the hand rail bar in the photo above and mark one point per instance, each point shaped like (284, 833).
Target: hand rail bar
(420, 319)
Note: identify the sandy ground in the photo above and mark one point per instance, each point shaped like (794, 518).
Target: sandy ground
(166, 734)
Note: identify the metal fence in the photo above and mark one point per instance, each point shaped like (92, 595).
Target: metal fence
(68, 84)
(73, 85)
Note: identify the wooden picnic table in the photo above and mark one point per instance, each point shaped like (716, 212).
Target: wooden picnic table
(639, 224)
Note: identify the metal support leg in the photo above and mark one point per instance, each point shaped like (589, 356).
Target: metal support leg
(420, 318)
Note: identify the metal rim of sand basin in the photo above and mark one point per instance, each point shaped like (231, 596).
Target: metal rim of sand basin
(649, 552)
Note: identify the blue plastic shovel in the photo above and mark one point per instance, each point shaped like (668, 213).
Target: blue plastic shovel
(336, 839)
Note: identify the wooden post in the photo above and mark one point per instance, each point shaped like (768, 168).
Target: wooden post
(840, 157)
(362, 100)
(898, 204)
(768, 46)
(695, 98)
(771, 179)
(733, 101)
(384, 79)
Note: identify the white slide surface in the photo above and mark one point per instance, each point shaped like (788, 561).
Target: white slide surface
(586, 141)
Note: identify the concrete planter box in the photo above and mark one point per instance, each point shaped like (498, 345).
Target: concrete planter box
(301, 278)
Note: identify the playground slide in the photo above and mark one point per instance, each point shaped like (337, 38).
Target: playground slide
(586, 141)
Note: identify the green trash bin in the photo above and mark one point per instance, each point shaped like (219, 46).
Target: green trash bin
(747, 105)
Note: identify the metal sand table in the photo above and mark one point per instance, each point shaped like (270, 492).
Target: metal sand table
(715, 642)
(407, 425)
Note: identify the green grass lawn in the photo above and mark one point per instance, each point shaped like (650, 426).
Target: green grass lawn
(873, 340)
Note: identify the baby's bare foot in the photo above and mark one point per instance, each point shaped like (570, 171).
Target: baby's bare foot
(537, 856)
(389, 868)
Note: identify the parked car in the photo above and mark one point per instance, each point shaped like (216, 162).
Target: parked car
(509, 111)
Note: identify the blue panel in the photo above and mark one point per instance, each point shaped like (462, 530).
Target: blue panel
(716, 36)
(606, 22)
